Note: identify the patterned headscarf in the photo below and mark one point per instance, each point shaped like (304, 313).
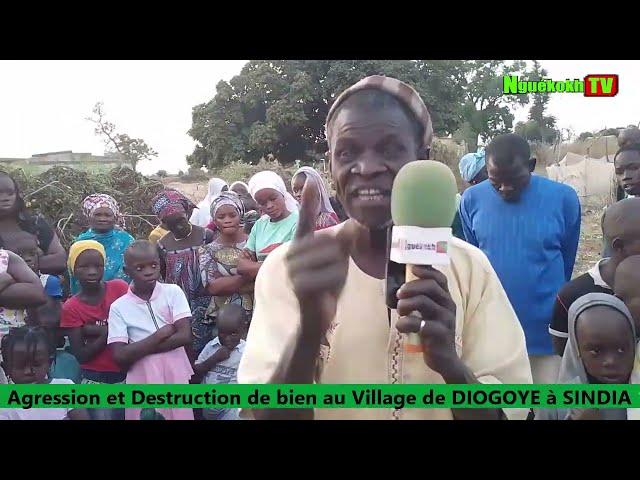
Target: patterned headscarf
(168, 202)
(102, 200)
(403, 92)
(227, 198)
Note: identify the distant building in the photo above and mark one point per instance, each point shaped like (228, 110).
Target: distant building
(83, 161)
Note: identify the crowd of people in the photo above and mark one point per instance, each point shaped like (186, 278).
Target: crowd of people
(262, 282)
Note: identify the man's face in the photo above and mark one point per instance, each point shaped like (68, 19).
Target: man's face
(627, 166)
(368, 147)
(509, 180)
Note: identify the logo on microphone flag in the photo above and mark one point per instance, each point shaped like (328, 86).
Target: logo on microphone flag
(441, 247)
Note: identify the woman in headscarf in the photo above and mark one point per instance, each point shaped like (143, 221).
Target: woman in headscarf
(326, 215)
(105, 227)
(601, 350)
(180, 261)
(473, 169)
(219, 259)
(15, 218)
(276, 226)
(251, 209)
(202, 216)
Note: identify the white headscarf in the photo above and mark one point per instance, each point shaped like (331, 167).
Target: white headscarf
(269, 179)
(325, 203)
(202, 216)
(572, 369)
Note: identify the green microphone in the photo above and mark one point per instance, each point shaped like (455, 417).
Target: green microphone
(423, 206)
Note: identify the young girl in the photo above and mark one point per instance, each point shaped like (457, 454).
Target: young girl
(84, 317)
(180, 262)
(27, 355)
(106, 227)
(601, 349)
(149, 327)
(326, 215)
(219, 259)
(277, 226)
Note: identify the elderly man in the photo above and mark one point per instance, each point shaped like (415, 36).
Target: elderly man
(320, 305)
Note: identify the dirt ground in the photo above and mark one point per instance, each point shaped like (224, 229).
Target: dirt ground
(589, 248)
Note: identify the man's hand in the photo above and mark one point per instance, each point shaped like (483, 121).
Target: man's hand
(429, 295)
(222, 354)
(318, 266)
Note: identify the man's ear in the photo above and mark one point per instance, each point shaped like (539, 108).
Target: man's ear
(617, 244)
(328, 157)
(532, 164)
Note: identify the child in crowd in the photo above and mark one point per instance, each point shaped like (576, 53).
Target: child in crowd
(84, 316)
(149, 327)
(220, 358)
(601, 350)
(27, 355)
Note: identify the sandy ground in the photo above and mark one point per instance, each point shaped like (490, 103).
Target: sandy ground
(590, 237)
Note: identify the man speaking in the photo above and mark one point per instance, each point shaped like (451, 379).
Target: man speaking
(320, 307)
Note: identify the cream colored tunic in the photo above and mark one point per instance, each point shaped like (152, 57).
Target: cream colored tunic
(364, 348)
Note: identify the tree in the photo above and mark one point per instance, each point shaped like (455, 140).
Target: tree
(279, 107)
(584, 135)
(485, 112)
(131, 149)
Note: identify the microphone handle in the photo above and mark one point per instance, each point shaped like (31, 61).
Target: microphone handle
(413, 343)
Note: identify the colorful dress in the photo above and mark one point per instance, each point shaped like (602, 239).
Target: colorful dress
(115, 243)
(182, 268)
(218, 261)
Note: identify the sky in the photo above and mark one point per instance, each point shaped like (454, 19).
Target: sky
(44, 103)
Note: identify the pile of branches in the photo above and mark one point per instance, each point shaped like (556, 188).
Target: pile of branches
(58, 193)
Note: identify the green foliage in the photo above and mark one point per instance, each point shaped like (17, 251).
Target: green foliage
(162, 173)
(584, 135)
(279, 107)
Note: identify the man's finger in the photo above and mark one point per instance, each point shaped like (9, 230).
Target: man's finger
(428, 272)
(429, 288)
(309, 207)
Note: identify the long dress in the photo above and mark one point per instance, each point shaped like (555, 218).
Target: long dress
(182, 268)
(218, 261)
(115, 243)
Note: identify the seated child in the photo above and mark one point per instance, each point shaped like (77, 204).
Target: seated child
(220, 358)
(27, 355)
(149, 327)
(601, 350)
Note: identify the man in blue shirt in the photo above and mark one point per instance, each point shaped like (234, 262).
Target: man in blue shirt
(529, 228)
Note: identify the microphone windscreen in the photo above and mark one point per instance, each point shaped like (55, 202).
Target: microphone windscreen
(424, 195)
